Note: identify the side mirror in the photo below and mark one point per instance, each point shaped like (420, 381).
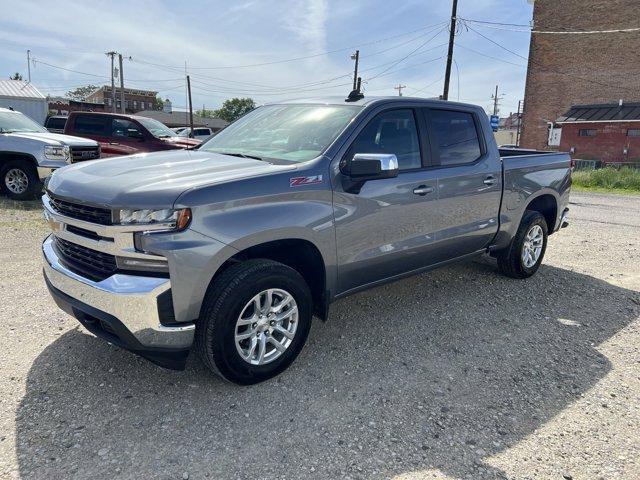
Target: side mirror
(371, 166)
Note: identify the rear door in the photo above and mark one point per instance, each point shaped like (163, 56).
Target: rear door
(469, 176)
(95, 127)
(384, 228)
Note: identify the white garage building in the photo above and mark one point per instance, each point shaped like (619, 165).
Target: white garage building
(24, 97)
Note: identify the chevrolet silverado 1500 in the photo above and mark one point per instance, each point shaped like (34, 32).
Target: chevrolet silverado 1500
(234, 246)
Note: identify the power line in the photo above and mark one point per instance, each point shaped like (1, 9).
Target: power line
(589, 80)
(484, 22)
(406, 56)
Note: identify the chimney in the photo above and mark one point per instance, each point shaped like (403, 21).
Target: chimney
(166, 108)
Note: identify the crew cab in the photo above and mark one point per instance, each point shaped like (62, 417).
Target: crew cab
(121, 134)
(29, 153)
(233, 247)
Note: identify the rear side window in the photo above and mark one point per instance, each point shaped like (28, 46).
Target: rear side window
(92, 125)
(56, 122)
(202, 131)
(394, 132)
(456, 137)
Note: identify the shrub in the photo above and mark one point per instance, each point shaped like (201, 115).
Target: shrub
(624, 178)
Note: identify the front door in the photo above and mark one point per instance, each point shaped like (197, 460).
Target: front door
(384, 227)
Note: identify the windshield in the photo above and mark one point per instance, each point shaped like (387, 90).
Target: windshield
(283, 132)
(17, 122)
(157, 129)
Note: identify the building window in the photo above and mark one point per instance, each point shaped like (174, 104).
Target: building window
(588, 132)
(633, 132)
(142, 105)
(135, 104)
(109, 101)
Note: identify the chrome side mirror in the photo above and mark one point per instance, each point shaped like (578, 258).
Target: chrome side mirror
(372, 166)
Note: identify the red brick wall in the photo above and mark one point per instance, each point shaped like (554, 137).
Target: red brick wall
(601, 68)
(608, 144)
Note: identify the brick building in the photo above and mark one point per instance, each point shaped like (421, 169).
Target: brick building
(578, 69)
(62, 106)
(134, 100)
(608, 133)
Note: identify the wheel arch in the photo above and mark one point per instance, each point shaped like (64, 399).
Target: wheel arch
(547, 205)
(5, 156)
(298, 253)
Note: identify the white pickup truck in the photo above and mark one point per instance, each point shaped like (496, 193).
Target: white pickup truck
(29, 154)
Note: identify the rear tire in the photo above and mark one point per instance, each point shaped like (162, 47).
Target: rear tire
(524, 256)
(230, 311)
(20, 180)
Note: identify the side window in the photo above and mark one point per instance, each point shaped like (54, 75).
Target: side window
(456, 136)
(91, 125)
(394, 132)
(125, 128)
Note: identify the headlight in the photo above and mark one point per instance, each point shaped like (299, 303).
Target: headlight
(167, 217)
(54, 152)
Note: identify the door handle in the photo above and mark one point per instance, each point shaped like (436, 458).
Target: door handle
(422, 190)
(490, 180)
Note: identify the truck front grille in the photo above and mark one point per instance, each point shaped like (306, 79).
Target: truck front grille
(84, 261)
(80, 154)
(87, 213)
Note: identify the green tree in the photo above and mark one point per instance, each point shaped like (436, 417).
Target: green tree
(234, 108)
(15, 76)
(81, 93)
(158, 103)
(206, 113)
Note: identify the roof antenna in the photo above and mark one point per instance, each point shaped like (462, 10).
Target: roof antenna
(355, 94)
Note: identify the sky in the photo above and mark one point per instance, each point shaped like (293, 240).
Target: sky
(270, 50)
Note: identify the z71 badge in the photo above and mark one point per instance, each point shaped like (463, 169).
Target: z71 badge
(302, 181)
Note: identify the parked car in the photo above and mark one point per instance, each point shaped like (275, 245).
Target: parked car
(29, 153)
(55, 123)
(120, 134)
(199, 133)
(234, 246)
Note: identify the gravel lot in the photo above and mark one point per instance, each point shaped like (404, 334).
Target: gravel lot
(460, 373)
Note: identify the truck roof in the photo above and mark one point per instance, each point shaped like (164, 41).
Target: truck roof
(368, 101)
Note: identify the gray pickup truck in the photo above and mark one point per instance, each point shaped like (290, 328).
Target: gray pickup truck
(233, 247)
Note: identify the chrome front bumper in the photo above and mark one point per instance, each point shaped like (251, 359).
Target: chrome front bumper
(130, 299)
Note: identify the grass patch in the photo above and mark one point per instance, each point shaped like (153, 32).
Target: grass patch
(622, 180)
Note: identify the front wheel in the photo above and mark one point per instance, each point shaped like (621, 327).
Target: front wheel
(255, 319)
(20, 180)
(524, 256)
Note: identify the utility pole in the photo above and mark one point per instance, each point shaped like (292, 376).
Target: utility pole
(399, 88)
(121, 84)
(29, 65)
(519, 123)
(495, 102)
(112, 54)
(190, 107)
(452, 36)
(355, 56)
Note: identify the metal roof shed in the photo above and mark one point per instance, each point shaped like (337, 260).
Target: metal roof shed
(24, 97)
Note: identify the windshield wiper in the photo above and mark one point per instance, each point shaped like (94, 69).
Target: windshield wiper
(242, 155)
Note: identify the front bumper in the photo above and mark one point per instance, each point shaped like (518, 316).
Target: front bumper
(123, 309)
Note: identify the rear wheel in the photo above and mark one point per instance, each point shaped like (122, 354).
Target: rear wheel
(20, 180)
(524, 256)
(254, 322)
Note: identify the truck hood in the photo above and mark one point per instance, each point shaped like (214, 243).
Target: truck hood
(49, 138)
(151, 180)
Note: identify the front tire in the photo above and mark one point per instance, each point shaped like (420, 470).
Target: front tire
(524, 256)
(20, 180)
(255, 320)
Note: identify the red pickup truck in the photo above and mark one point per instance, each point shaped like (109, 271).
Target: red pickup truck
(120, 134)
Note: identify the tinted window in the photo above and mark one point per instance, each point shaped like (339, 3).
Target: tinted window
(56, 122)
(124, 128)
(456, 136)
(391, 132)
(202, 131)
(92, 124)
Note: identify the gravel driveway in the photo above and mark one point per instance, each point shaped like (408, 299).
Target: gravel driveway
(459, 373)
